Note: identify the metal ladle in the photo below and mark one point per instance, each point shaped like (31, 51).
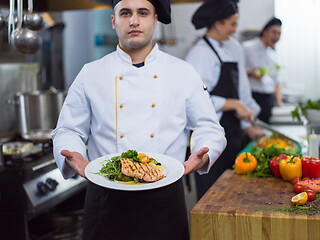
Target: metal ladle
(25, 40)
(33, 21)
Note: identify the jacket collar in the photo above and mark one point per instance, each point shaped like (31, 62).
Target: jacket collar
(125, 57)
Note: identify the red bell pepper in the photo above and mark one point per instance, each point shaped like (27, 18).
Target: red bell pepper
(310, 167)
(274, 164)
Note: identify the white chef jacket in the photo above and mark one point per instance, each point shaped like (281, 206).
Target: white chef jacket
(257, 55)
(208, 67)
(113, 107)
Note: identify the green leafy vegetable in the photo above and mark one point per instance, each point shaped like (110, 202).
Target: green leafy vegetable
(111, 168)
(264, 156)
(132, 154)
(301, 109)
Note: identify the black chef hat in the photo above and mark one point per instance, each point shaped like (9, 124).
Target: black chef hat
(273, 21)
(162, 7)
(212, 11)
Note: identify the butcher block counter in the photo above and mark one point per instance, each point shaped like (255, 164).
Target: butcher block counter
(231, 209)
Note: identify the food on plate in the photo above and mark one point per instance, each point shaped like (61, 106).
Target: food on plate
(290, 168)
(267, 141)
(313, 184)
(274, 164)
(300, 198)
(245, 163)
(141, 171)
(310, 167)
(131, 167)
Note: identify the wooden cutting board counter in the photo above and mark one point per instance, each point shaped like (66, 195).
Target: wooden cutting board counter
(229, 210)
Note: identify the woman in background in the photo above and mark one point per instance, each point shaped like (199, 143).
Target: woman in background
(219, 61)
(262, 68)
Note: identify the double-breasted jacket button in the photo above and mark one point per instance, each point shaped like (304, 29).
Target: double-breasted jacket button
(120, 77)
(121, 105)
(152, 135)
(155, 76)
(153, 105)
(121, 136)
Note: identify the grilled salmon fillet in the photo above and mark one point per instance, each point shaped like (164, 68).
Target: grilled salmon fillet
(140, 170)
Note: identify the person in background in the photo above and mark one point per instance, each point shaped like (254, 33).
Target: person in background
(143, 99)
(219, 60)
(262, 68)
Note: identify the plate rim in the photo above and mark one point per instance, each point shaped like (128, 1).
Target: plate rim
(136, 187)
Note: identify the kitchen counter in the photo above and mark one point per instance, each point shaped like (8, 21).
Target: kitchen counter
(230, 210)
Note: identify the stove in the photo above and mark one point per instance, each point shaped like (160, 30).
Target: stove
(30, 186)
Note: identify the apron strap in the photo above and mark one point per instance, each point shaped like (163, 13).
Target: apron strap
(210, 45)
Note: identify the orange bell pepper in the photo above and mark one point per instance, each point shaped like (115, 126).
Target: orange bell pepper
(245, 163)
(290, 167)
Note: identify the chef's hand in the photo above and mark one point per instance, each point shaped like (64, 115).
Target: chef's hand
(240, 110)
(243, 113)
(254, 132)
(255, 73)
(196, 161)
(76, 161)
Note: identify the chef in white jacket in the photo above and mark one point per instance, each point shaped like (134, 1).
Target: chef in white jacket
(218, 59)
(263, 69)
(140, 98)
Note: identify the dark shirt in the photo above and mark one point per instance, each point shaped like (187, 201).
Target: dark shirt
(138, 64)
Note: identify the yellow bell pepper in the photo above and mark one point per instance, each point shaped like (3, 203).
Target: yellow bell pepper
(245, 163)
(290, 167)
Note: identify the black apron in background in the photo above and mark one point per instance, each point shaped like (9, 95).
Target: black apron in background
(227, 87)
(266, 103)
(150, 214)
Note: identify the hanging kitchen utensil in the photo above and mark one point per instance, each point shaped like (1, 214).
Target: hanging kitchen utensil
(25, 40)
(11, 25)
(33, 21)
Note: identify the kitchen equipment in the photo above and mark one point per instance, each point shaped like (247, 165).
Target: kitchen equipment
(37, 112)
(240, 207)
(38, 135)
(11, 22)
(19, 149)
(15, 77)
(314, 129)
(25, 40)
(31, 186)
(33, 21)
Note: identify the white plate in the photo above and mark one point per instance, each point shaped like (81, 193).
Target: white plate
(173, 170)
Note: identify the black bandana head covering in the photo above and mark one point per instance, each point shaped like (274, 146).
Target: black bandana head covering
(273, 21)
(212, 11)
(162, 7)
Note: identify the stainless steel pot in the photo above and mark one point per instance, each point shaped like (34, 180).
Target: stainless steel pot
(37, 112)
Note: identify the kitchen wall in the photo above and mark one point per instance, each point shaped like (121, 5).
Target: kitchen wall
(82, 28)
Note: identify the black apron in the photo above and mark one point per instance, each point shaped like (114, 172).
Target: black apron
(266, 103)
(227, 87)
(150, 214)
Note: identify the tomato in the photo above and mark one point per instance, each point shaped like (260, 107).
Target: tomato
(305, 178)
(311, 194)
(295, 180)
(298, 188)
